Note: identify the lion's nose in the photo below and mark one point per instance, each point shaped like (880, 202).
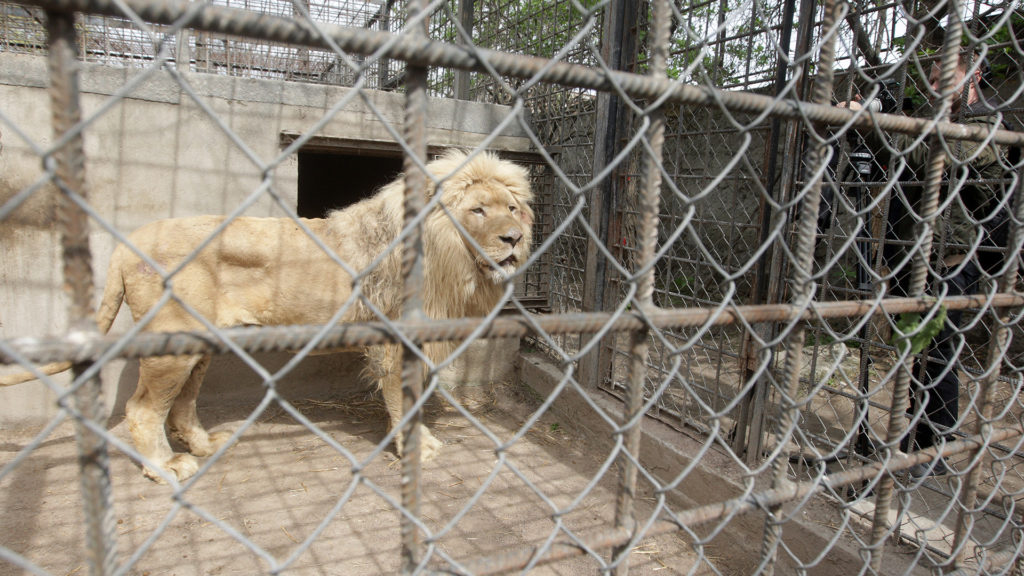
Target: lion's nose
(512, 237)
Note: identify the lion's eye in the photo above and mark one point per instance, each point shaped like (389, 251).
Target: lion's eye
(478, 210)
(512, 209)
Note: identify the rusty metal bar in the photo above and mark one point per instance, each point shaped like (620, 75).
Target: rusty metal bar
(415, 134)
(69, 164)
(290, 338)
(752, 422)
(996, 349)
(618, 44)
(918, 283)
(801, 281)
(462, 82)
(516, 560)
(650, 201)
(428, 53)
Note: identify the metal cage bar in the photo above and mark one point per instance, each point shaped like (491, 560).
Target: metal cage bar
(86, 395)
(627, 212)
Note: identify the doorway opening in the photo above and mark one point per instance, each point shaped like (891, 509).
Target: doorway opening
(329, 180)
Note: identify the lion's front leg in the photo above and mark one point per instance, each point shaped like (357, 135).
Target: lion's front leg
(386, 365)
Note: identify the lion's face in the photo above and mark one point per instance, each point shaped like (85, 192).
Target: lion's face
(500, 224)
(489, 197)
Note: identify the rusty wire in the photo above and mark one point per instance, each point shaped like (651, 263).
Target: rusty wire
(415, 135)
(772, 498)
(802, 272)
(85, 348)
(94, 464)
(985, 424)
(214, 18)
(881, 526)
(650, 201)
(638, 315)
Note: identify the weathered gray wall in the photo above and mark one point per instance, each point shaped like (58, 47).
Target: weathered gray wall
(158, 153)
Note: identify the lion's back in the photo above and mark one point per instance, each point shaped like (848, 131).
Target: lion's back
(253, 271)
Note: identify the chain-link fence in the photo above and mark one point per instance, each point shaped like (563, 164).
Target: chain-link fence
(770, 322)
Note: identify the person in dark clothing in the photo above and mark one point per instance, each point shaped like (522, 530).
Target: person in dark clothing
(967, 245)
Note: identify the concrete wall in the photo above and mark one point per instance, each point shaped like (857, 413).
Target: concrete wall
(164, 151)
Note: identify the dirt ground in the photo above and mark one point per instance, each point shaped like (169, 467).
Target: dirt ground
(279, 484)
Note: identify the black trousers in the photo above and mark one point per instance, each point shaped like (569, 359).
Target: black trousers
(940, 387)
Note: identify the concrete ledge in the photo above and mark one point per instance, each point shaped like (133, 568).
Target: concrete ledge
(485, 361)
(457, 116)
(666, 453)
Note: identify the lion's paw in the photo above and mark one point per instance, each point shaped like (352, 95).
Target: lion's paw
(430, 446)
(212, 443)
(182, 466)
(219, 438)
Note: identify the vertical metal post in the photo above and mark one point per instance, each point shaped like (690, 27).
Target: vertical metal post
(996, 348)
(101, 549)
(300, 69)
(617, 46)
(750, 425)
(650, 200)
(462, 77)
(918, 280)
(182, 52)
(203, 51)
(412, 271)
(802, 284)
(385, 63)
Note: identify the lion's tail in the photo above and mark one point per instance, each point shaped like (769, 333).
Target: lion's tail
(113, 291)
(113, 295)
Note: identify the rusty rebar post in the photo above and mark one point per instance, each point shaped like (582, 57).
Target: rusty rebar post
(988, 385)
(69, 162)
(412, 271)
(802, 283)
(918, 283)
(423, 52)
(361, 334)
(650, 182)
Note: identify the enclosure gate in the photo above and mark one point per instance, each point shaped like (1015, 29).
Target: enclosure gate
(703, 246)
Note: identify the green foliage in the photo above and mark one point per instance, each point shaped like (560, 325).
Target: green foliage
(1004, 41)
(535, 27)
(814, 338)
(749, 52)
(683, 284)
(1001, 56)
(845, 272)
(909, 331)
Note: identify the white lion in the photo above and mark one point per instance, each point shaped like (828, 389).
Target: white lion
(267, 271)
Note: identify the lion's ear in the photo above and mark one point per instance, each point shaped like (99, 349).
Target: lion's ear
(429, 188)
(519, 183)
(443, 168)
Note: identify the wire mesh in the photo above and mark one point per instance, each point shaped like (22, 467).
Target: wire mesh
(788, 231)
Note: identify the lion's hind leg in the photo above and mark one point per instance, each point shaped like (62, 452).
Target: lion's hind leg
(183, 421)
(160, 381)
(385, 365)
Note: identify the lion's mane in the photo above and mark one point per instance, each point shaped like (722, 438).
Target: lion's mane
(452, 282)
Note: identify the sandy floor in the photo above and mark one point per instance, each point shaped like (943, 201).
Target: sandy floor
(280, 484)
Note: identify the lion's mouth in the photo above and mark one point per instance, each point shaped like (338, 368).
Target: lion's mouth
(502, 269)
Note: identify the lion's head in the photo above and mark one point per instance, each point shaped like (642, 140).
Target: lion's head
(489, 198)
